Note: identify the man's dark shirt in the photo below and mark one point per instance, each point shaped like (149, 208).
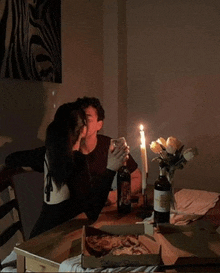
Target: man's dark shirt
(97, 159)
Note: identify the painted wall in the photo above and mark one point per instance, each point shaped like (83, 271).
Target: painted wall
(110, 75)
(173, 82)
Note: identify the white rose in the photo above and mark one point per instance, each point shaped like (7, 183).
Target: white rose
(173, 144)
(161, 141)
(190, 153)
(155, 147)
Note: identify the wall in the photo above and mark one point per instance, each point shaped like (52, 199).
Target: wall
(110, 75)
(82, 49)
(173, 82)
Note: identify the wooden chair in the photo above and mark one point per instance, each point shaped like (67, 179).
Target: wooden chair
(9, 210)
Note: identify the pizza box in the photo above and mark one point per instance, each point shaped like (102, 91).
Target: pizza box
(90, 260)
(194, 244)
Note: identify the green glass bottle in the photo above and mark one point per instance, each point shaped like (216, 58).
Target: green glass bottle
(124, 190)
(162, 197)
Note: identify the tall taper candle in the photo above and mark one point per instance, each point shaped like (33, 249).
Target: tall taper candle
(143, 159)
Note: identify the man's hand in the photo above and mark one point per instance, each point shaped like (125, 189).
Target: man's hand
(117, 157)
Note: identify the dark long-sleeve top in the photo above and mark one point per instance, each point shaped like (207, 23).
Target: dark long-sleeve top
(87, 194)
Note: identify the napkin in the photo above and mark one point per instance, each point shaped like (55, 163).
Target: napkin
(9, 263)
(191, 205)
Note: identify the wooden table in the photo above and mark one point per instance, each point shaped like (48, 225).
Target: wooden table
(45, 252)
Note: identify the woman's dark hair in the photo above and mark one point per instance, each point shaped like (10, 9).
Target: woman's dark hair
(62, 133)
(64, 111)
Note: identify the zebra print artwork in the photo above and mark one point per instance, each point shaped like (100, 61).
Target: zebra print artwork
(30, 40)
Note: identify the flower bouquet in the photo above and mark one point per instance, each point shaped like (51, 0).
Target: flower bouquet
(171, 157)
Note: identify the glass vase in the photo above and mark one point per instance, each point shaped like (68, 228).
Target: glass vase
(170, 177)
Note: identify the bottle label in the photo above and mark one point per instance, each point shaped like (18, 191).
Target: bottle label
(162, 201)
(125, 193)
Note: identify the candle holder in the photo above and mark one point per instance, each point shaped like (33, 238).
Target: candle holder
(145, 201)
(146, 209)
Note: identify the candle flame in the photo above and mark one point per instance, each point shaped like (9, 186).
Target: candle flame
(141, 127)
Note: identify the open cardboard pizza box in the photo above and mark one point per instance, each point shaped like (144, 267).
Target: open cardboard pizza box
(197, 243)
(90, 260)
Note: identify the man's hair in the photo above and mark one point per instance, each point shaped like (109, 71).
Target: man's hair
(85, 102)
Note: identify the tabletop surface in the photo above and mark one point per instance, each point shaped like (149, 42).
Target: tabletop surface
(64, 241)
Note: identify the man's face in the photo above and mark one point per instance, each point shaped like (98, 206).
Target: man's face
(93, 125)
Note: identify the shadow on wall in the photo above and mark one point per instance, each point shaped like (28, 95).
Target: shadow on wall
(21, 113)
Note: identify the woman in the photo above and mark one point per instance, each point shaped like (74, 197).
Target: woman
(69, 190)
(68, 187)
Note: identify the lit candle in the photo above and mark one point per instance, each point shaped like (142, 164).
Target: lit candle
(143, 159)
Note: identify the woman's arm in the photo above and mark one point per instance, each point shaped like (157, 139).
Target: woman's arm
(21, 162)
(6, 172)
(29, 160)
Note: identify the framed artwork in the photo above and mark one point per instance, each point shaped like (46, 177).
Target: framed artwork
(30, 40)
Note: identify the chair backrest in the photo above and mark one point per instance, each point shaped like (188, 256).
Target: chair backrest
(9, 209)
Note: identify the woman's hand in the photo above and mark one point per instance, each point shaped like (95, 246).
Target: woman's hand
(117, 157)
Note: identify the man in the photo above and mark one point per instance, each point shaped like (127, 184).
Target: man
(95, 146)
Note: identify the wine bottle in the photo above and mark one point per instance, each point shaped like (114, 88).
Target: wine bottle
(124, 190)
(162, 197)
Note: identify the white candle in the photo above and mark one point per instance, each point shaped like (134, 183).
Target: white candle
(143, 159)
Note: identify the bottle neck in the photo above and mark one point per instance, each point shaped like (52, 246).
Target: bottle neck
(124, 169)
(162, 171)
